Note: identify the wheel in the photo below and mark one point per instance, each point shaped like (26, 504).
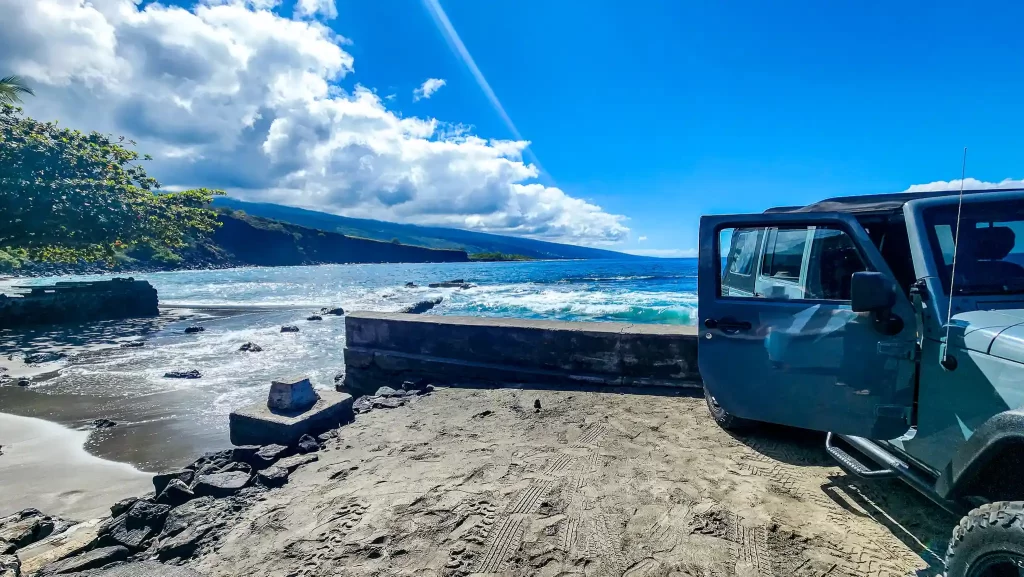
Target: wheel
(725, 419)
(988, 542)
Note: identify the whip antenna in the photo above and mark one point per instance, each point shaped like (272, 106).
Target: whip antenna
(947, 359)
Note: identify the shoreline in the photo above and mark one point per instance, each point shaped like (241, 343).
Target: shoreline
(45, 465)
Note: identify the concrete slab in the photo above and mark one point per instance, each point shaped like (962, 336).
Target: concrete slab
(258, 424)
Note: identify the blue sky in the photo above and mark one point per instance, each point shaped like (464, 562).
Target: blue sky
(657, 112)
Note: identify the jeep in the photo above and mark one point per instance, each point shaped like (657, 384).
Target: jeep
(895, 324)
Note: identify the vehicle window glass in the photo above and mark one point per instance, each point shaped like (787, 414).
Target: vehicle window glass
(990, 250)
(744, 250)
(784, 253)
(832, 258)
(739, 249)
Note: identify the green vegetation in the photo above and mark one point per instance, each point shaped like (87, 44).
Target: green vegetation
(497, 256)
(11, 89)
(67, 196)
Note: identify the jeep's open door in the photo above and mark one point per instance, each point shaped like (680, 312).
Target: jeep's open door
(792, 351)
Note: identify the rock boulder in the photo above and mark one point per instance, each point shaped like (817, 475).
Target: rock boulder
(272, 477)
(307, 444)
(134, 528)
(89, 560)
(220, 484)
(176, 493)
(161, 480)
(189, 374)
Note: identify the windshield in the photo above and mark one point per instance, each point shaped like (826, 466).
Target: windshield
(990, 255)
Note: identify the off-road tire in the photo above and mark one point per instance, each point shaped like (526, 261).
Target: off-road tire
(725, 419)
(989, 531)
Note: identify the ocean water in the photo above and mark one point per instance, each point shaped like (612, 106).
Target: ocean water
(166, 422)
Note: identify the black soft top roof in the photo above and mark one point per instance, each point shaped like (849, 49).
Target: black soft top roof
(877, 203)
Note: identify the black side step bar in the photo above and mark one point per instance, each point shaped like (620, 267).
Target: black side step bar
(852, 465)
(891, 465)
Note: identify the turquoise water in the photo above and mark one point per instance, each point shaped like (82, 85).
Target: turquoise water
(165, 422)
(647, 291)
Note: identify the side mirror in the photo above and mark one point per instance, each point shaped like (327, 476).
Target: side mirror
(871, 292)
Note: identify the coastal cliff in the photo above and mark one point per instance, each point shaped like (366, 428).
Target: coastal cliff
(249, 240)
(245, 240)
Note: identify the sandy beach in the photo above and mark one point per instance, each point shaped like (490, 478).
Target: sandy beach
(45, 465)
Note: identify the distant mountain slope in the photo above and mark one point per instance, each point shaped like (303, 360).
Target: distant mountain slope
(428, 236)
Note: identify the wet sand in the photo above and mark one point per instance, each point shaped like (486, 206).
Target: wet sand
(46, 466)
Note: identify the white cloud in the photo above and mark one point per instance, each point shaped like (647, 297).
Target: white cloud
(230, 94)
(314, 8)
(665, 252)
(969, 184)
(641, 239)
(428, 88)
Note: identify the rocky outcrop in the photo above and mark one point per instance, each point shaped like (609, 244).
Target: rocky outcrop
(314, 318)
(134, 528)
(194, 329)
(250, 348)
(26, 527)
(335, 311)
(422, 306)
(289, 329)
(90, 560)
(389, 398)
(68, 302)
(189, 374)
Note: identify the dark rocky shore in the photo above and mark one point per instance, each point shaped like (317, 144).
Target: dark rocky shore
(186, 515)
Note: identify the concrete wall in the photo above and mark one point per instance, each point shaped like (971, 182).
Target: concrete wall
(66, 302)
(388, 348)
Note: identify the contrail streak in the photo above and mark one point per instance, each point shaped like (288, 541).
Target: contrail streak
(455, 43)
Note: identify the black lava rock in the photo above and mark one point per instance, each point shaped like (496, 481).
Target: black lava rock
(40, 358)
(194, 329)
(133, 344)
(307, 444)
(134, 528)
(250, 348)
(122, 506)
(268, 455)
(272, 477)
(189, 374)
(314, 318)
(336, 311)
(289, 329)
(89, 560)
(161, 480)
(103, 424)
(220, 484)
(176, 493)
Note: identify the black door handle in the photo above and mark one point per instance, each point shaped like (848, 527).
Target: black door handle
(727, 325)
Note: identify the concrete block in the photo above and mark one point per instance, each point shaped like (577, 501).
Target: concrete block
(258, 424)
(291, 394)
